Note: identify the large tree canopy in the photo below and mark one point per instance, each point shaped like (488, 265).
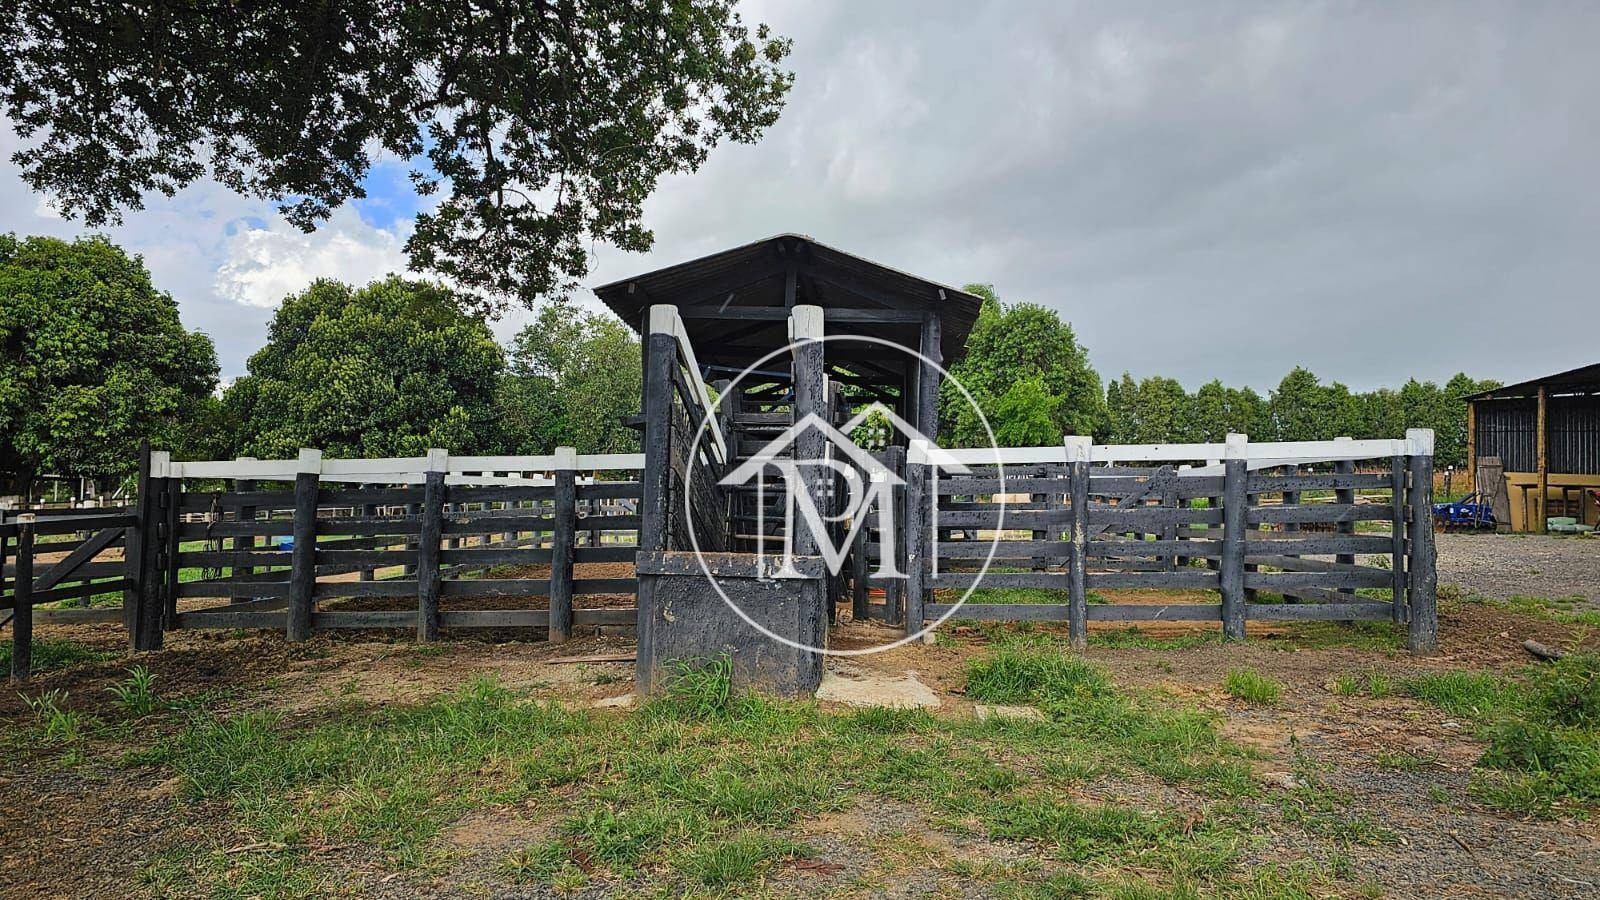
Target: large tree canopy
(546, 124)
(95, 359)
(1011, 344)
(390, 369)
(574, 377)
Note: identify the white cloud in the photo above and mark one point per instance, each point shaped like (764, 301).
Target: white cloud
(261, 266)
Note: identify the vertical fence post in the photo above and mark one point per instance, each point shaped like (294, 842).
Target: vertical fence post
(303, 560)
(660, 348)
(1423, 635)
(1078, 449)
(428, 541)
(562, 539)
(246, 513)
(1397, 531)
(171, 497)
(915, 533)
(1290, 498)
(894, 590)
(135, 608)
(22, 601)
(1235, 508)
(1344, 496)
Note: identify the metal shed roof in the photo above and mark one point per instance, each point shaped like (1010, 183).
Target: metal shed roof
(730, 300)
(1582, 380)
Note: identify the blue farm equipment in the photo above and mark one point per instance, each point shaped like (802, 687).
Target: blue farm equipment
(1468, 512)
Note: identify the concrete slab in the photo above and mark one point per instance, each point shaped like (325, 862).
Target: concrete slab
(855, 687)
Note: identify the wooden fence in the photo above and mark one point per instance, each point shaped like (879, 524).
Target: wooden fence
(423, 543)
(1280, 531)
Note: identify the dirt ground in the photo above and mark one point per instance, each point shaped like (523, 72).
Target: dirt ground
(88, 830)
(1503, 566)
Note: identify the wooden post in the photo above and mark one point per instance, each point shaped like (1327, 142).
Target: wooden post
(1472, 447)
(1078, 449)
(22, 601)
(428, 545)
(806, 330)
(1344, 496)
(660, 348)
(1397, 535)
(171, 498)
(1542, 457)
(563, 538)
(1234, 510)
(894, 591)
(303, 559)
(138, 604)
(1423, 636)
(915, 534)
(1291, 498)
(246, 513)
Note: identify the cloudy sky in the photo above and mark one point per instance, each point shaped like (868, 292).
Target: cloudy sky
(1376, 191)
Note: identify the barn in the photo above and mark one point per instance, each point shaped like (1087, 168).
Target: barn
(1545, 435)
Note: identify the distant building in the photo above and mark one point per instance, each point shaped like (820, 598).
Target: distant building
(1545, 433)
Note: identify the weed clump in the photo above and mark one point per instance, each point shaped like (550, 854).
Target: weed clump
(1251, 686)
(1034, 673)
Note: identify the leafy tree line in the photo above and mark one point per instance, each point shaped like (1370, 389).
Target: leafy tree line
(1026, 370)
(96, 360)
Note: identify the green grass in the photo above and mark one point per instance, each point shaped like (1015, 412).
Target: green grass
(1543, 731)
(1251, 686)
(1372, 684)
(700, 790)
(50, 654)
(1563, 610)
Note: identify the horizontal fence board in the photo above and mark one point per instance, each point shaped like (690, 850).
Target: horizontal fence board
(1261, 483)
(456, 523)
(235, 559)
(389, 587)
(495, 587)
(981, 549)
(68, 524)
(624, 553)
(81, 616)
(234, 588)
(1106, 517)
(1319, 611)
(1288, 581)
(1155, 612)
(609, 490)
(1319, 514)
(1056, 580)
(1001, 612)
(230, 619)
(1297, 543)
(1197, 549)
(1201, 579)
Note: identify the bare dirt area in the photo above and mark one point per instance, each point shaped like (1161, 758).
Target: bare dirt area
(1502, 566)
(1344, 793)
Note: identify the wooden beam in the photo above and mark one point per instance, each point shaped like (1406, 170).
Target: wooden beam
(1542, 457)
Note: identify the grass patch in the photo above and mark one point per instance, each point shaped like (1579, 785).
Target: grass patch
(1543, 731)
(1251, 686)
(1563, 610)
(50, 654)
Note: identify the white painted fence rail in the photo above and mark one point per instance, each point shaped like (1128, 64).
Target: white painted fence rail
(1263, 455)
(468, 470)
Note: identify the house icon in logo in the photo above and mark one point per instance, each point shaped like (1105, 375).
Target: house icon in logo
(867, 481)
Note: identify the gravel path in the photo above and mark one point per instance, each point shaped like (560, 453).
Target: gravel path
(1526, 565)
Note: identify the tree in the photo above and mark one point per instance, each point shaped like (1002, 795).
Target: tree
(95, 359)
(1009, 345)
(1301, 408)
(547, 124)
(574, 377)
(390, 369)
(1025, 416)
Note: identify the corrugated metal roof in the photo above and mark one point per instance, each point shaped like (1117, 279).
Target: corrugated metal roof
(1584, 379)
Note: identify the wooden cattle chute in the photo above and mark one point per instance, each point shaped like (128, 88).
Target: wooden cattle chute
(1292, 519)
